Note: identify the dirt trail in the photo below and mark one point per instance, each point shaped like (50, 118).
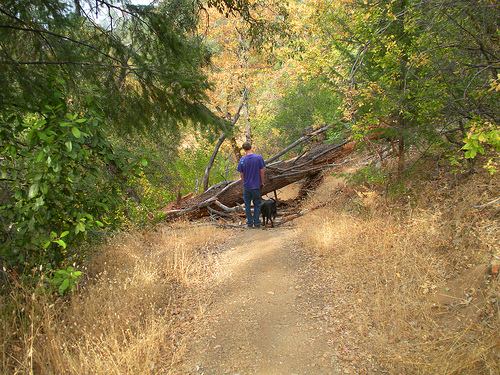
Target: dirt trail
(264, 317)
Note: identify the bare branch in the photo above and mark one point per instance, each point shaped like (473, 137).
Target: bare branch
(303, 139)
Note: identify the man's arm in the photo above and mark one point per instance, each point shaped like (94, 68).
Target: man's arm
(241, 177)
(262, 177)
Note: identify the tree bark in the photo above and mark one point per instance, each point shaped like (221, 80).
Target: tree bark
(206, 175)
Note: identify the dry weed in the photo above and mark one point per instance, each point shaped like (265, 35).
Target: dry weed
(125, 317)
(390, 256)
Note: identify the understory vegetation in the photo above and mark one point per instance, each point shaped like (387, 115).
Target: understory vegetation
(126, 315)
(417, 257)
(111, 111)
(392, 250)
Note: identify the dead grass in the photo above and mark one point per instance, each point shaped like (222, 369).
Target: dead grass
(390, 252)
(126, 318)
(400, 258)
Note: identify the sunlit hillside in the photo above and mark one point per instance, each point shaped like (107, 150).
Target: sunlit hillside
(414, 259)
(419, 259)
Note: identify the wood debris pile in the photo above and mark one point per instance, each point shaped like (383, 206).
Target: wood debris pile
(225, 199)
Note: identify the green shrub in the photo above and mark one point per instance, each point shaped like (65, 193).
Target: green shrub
(58, 166)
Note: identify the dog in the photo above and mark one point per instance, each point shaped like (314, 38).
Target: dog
(268, 211)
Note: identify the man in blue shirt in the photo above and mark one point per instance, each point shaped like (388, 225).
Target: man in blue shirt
(251, 168)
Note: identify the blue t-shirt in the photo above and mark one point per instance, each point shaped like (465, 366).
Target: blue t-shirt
(250, 166)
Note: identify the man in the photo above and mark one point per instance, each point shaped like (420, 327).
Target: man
(251, 168)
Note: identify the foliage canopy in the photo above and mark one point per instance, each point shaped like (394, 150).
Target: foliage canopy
(424, 70)
(77, 75)
(145, 62)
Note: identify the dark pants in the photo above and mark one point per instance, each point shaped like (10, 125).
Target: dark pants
(252, 195)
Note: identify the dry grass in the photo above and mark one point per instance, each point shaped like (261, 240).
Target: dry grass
(390, 255)
(125, 319)
(387, 255)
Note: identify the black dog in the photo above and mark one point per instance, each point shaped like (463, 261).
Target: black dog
(268, 211)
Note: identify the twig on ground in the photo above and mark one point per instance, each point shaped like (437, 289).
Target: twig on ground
(487, 204)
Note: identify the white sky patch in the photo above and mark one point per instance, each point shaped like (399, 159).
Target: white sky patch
(107, 17)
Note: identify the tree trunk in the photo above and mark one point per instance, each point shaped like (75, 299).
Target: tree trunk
(401, 154)
(276, 176)
(206, 175)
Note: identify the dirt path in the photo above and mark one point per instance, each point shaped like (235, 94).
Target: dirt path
(267, 314)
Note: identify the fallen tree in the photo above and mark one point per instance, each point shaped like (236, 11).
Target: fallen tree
(227, 197)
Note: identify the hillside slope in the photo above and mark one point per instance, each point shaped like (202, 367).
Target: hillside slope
(383, 278)
(377, 275)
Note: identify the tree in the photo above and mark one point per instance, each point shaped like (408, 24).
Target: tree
(146, 63)
(237, 72)
(420, 69)
(227, 195)
(295, 98)
(68, 85)
(309, 104)
(53, 165)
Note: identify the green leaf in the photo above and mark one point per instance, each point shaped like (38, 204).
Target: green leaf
(61, 243)
(18, 194)
(64, 285)
(30, 135)
(57, 168)
(38, 203)
(76, 132)
(13, 151)
(80, 227)
(69, 145)
(33, 191)
(144, 162)
(64, 234)
(39, 124)
(41, 134)
(40, 156)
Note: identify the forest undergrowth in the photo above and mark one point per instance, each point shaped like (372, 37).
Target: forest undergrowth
(126, 316)
(412, 256)
(418, 257)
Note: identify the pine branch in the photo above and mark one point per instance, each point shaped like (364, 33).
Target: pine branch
(42, 32)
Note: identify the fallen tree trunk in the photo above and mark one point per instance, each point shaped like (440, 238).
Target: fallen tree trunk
(276, 176)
